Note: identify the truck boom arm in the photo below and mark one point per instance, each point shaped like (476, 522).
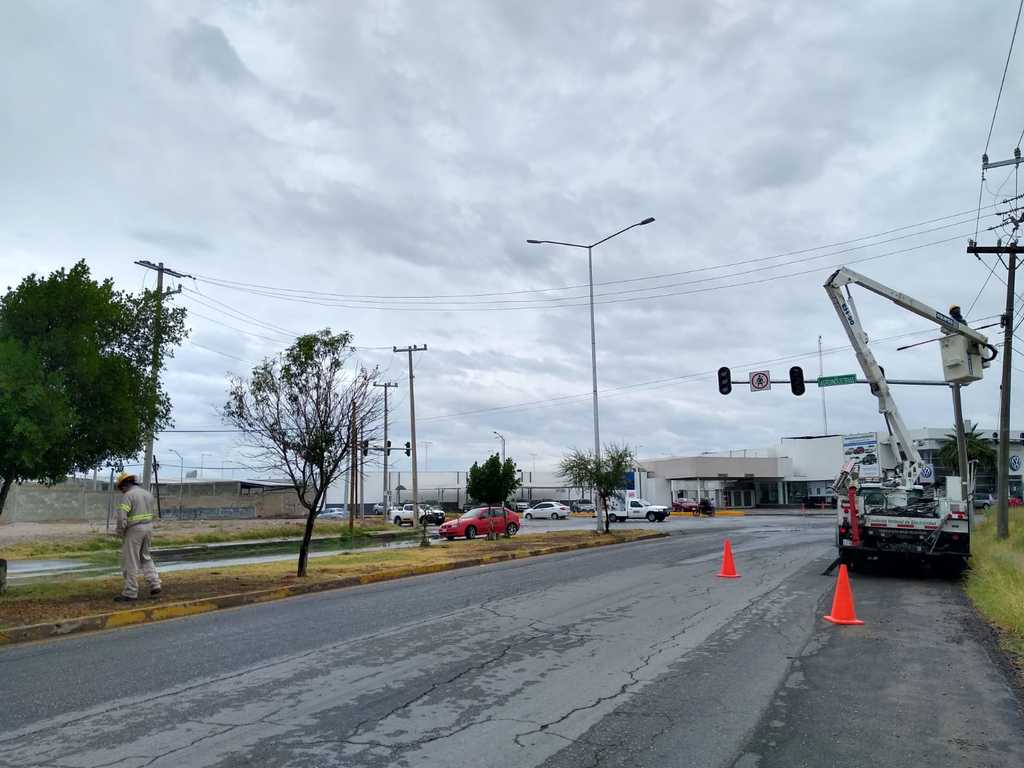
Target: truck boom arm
(909, 458)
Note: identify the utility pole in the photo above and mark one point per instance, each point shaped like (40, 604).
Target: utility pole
(821, 372)
(385, 498)
(1003, 476)
(412, 432)
(160, 269)
(502, 438)
(353, 475)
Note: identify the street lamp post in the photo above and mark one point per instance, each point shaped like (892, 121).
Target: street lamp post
(502, 438)
(593, 332)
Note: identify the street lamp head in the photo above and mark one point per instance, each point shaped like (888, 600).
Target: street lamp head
(648, 220)
(535, 242)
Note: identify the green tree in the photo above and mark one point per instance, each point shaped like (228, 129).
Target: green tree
(979, 449)
(605, 475)
(492, 483)
(75, 386)
(297, 410)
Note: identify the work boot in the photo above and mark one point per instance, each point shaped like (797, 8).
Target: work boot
(155, 592)
(125, 599)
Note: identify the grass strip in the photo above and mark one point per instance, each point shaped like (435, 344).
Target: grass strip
(995, 582)
(85, 545)
(62, 600)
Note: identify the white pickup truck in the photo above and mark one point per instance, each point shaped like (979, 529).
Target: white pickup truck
(637, 509)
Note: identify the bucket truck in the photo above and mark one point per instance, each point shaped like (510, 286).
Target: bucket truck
(896, 515)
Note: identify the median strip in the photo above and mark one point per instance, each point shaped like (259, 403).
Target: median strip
(41, 611)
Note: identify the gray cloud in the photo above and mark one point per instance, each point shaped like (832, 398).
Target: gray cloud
(411, 148)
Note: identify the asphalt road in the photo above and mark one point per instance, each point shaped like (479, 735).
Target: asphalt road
(629, 655)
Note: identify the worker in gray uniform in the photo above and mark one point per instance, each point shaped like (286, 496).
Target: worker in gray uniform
(135, 526)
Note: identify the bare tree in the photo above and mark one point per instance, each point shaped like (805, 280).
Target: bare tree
(296, 411)
(605, 474)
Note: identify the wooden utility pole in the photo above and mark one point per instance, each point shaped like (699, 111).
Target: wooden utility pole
(160, 269)
(1003, 473)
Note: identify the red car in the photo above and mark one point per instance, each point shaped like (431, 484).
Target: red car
(685, 505)
(480, 522)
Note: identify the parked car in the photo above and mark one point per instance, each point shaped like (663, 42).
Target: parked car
(639, 508)
(983, 500)
(686, 505)
(480, 522)
(333, 514)
(552, 510)
(582, 505)
(522, 505)
(378, 508)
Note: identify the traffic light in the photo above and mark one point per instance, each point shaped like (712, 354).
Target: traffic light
(408, 448)
(366, 447)
(724, 380)
(387, 448)
(796, 380)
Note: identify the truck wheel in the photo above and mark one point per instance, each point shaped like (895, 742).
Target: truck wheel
(612, 518)
(398, 521)
(471, 532)
(651, 517)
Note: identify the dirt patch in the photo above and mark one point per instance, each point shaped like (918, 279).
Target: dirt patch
(51, 602)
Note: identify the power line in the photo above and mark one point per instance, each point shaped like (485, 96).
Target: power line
(378, 298)
(649, 297)
(459, 304)
(1002, 82)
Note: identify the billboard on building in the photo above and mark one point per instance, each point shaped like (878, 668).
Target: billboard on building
(863, 448)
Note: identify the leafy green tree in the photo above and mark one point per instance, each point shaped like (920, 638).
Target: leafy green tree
(492, 483)
(297, 409)
(75, 385)
(605, 475)
(979, 449)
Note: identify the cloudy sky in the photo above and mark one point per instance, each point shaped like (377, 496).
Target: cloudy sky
(378, 166)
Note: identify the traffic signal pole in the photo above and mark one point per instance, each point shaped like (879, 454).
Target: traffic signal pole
(385, 498)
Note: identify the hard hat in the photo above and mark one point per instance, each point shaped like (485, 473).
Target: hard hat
(124, 477)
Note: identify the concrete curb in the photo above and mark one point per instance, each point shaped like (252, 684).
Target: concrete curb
(158, 612)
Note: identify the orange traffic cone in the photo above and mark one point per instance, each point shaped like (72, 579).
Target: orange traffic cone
(728, 566)
(842, 602)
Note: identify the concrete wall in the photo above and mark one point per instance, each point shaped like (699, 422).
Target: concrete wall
(76, 501)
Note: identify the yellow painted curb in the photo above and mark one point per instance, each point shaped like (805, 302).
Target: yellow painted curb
(731, 513)
(158, 612)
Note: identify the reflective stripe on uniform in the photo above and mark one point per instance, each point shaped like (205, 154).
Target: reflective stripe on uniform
(125, 507)
(141, 517)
